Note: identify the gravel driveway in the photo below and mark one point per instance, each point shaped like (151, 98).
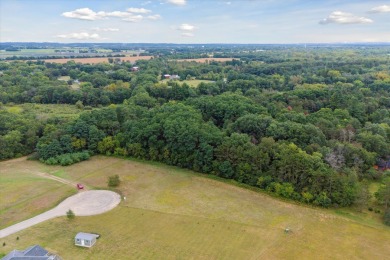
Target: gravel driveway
(85, 203)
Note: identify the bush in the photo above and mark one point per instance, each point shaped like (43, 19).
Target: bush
(70, 214)
(322, 200)
(114, 181)
(386, 218)
(79, 104)
(67, 158)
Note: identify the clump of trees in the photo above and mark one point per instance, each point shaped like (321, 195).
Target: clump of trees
(67, 158)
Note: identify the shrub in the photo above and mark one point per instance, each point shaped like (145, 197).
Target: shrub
(52, 161)
(386, 218)
(79, 104)
(67, 158)
(322, 200)
(70, 214)
(114, 181)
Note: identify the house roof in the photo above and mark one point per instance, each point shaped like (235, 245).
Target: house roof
(35, 252)
(87, 236)
(29, 258)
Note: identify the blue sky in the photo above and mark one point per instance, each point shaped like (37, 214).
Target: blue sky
(195, 21)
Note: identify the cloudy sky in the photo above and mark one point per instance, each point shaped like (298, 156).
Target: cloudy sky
(195, 21)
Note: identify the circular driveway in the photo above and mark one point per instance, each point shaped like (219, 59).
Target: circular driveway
(87, 203)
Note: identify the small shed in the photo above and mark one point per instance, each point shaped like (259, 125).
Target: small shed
(85, 239)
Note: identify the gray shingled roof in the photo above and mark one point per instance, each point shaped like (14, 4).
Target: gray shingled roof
(35, 252)
(29, 258)
(87, 236)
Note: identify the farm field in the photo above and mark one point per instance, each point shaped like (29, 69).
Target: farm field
(98, 60)
(172, 213)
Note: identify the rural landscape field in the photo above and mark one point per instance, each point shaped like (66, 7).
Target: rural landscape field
(186, 129)
(173, 213)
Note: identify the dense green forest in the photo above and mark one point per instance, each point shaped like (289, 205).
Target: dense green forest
(307, 124)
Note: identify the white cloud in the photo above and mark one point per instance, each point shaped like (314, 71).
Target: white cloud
(344, 18)
(154, 17)
(186, 27)
(187, 30)
(187, 34)
(131, 15)
(118, 14)
(79, 36)
(105, 29)
(146, 3)
(83, 14)
(177, 2)
(380, 9)
(133, 18)
(138, 10)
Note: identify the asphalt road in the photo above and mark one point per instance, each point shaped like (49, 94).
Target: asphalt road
(85, 203)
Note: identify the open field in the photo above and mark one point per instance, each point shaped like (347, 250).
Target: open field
(172, 213)
(23, 194)
(204, 60)
(44, 111)
(98, 60)
(74, 86)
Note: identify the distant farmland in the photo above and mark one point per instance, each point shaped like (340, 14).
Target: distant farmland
(204, 60)
(98, 60)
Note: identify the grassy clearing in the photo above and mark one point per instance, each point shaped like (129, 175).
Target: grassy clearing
(24, 195)
(193, 83)
(74, 86)
(172, 213)
(64, 78)
(44, 111)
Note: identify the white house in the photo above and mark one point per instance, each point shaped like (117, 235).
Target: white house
(85, 239)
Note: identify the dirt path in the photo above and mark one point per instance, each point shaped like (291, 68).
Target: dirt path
(87, 203)
(42, 174)
(55, 178)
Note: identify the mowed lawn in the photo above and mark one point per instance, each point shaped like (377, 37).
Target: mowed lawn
(171, 213)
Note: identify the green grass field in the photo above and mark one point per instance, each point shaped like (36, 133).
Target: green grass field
(193, 83)
(44, 111)
(23, 194)
(170, 213)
